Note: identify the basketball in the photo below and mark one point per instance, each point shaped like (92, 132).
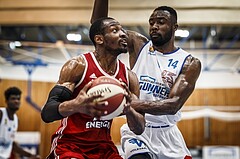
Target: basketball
(113, 94)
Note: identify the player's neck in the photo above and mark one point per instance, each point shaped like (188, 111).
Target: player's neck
(166, 48)
(10, 113)
(107, 62)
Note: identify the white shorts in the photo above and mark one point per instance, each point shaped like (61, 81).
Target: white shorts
(159, 143)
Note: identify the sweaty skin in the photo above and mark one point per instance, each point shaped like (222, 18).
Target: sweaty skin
(108, 46)
(13, 104)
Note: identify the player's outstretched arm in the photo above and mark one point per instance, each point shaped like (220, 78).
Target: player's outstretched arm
(182, 89)
(60, 102)
(100, 9)
(135, 120)
(135, 43)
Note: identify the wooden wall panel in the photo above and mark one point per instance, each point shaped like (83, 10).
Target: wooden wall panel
(192, 131)
(196, 98)
(221, 132)
(47, 131)
(215, 97)
(224, 133)
(232, 97)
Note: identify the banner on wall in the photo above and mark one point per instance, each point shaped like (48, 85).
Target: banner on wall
(221, 152)
(29, 141)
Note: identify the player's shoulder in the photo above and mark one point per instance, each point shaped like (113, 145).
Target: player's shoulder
(192, 65)
(190, 62)
(72, 70)
(74, 63)
(190, 58)
(194, 60)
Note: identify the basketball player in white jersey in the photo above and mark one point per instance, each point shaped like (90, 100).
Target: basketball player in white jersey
(9, 125)
(167, 75)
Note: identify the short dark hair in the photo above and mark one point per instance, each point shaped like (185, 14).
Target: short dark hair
(97, 27)
(172, 11)
(12, 91)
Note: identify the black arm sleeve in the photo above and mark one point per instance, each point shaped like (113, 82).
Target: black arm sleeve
(57, 95)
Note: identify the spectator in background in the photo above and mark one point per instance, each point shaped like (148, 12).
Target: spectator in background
(9, 125)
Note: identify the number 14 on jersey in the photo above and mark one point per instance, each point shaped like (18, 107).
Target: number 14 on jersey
(172, 63)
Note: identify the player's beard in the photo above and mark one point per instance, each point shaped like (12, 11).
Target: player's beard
(160, 40)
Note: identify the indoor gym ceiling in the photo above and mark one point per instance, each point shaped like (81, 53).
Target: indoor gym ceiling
(41, 26)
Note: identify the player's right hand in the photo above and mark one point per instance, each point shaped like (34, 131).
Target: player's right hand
(89, 104)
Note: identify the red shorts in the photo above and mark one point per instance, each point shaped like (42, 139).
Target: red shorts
(69, 155)
(101, 151)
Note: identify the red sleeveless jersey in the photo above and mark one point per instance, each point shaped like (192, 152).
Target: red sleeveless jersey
(81, 135)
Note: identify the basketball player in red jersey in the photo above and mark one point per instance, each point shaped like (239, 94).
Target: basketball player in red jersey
(167, 75)
(81, 134)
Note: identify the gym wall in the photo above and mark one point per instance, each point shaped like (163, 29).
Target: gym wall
(219, 132)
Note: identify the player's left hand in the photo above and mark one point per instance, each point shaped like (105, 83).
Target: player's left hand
(128, 96)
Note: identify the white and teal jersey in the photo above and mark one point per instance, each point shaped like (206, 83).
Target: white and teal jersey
(157, 73)
(8, 129)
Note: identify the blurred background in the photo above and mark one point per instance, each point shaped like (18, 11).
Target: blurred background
(38, 36)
